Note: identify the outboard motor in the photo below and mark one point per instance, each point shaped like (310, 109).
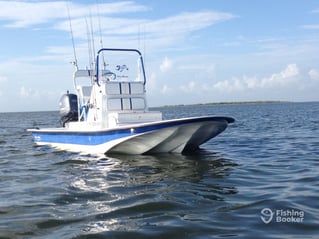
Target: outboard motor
(68, 108)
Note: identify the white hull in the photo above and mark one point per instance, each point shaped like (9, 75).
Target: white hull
(170, 136)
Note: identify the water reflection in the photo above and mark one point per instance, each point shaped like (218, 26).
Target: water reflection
(122, 192)
(153, 168)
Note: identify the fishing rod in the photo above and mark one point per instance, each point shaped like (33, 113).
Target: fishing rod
(75, 62)
(100, 31)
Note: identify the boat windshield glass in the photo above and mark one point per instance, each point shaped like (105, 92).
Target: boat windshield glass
(120, 65)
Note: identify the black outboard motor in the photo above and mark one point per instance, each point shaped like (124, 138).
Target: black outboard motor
(68, 108)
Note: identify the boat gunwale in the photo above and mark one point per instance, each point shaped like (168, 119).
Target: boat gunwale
(164, 123)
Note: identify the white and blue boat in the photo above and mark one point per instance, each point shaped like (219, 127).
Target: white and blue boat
(109, 114)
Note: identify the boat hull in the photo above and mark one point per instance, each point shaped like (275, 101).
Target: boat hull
(167, 136)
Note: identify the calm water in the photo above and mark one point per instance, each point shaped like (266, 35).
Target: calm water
(266, 164)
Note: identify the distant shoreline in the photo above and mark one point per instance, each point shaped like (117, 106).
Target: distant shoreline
(227, 103)
(194, 105)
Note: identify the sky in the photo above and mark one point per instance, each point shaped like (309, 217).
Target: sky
(195, 51)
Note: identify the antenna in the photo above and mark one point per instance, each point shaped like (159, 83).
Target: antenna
(75, 63)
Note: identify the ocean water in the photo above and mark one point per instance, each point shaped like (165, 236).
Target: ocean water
(258, 179)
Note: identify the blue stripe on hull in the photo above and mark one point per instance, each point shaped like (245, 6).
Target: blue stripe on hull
(79, 138)
(103, 136)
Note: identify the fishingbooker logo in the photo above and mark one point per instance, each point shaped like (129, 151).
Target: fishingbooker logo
(266, 215)
(281, 215)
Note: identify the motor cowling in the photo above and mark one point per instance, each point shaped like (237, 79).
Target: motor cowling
(68, 108)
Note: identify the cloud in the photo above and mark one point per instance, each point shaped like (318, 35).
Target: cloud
(311, 27)
(14, 14)
(42, 12)
(110, 20)
(166, 29)
(188, 21)
(26, 93)
(166, 64)
(228, 86)
(166, 90)
(314, 74)
(189, 88)
(283, 78)
(22, 14)
(37, 94)
(3, 79)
